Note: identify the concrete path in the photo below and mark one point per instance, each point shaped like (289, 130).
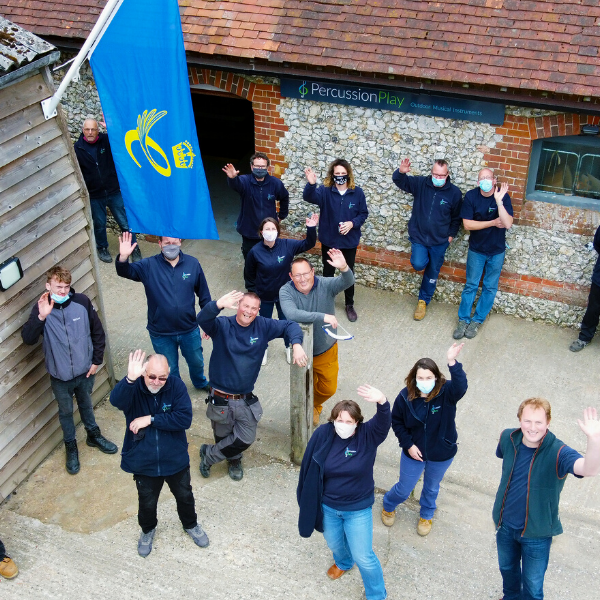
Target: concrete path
(76, 536)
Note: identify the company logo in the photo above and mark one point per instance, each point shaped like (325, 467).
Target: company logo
(253, 340)
(349, 453)
(185, 276)
(145, 123)
(303, 89)
(442, 202)
(270, 197)
(280, 259)
(76, 319)
(166, 407)
(183, 155)
(435, 409)
(491, 209)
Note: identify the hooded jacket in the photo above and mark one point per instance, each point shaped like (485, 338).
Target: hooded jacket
(73, 335)
(436, 436)
(436, 210)
(99, 173)
(160, 449)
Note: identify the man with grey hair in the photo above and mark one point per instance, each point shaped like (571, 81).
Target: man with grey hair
(157, 410)
(98, 169)
(487, 213)
(433, 224)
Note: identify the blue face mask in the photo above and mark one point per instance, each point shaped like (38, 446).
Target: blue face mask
(438, 182)
(426, 386)
(486, 185)
(59, 299)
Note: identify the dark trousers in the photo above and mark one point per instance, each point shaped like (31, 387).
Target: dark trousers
(149, 490)
(247, 245)
(592, 315)
(2, 551)
(329, 271)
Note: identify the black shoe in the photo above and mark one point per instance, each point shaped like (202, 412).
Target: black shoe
(204, 468)
(96, 440)
(351, 313)
(136, 255)
(72, 457)
(235, 469)
(104, 255)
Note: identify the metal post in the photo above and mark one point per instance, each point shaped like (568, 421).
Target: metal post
(301, 399)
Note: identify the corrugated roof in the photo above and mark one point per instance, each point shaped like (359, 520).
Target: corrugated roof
(19, 47)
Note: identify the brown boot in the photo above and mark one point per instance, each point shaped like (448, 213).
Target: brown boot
(420, 310)
(424, 526)
(9, 570)
(334, 572)
(388, 518)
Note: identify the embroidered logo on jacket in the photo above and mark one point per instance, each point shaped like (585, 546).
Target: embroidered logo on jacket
(185, 276)
(349, 453)
(351, 205)
(443, 202)
(280, 259)
(253, 340)
(166, 407)
(435, 409)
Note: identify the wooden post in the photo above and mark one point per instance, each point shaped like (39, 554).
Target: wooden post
(301, 399)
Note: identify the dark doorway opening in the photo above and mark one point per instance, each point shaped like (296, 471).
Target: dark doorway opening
(225, 127)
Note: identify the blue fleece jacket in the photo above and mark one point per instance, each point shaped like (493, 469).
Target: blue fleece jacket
(434, 435)
(436, 210)
(335, 208)
(347, 476)
(160, 449)
(170, 291)
(267, 269)
(238, 351)
(258, 202)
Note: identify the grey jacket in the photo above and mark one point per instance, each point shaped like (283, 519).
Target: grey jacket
(312, 307)
(74, 339)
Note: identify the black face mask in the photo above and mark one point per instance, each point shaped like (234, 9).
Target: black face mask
(340, 179)
(260, 172)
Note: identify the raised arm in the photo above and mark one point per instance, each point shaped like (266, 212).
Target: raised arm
(504, 216)
(589, 466)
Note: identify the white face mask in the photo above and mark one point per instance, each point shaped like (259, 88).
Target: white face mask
(270, 235)
(344, 430)
(426, 386)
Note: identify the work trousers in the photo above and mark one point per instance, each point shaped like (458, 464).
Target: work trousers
(329, 271)
(592, 315)
(325, 376)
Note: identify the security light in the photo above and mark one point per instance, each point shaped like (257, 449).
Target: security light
(10, 273)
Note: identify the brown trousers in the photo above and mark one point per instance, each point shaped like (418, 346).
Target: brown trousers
(325, 376)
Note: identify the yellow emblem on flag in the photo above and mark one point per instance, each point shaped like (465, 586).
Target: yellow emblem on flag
(183, 159)
(145, 123)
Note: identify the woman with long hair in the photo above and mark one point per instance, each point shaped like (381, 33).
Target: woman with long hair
(423, 419)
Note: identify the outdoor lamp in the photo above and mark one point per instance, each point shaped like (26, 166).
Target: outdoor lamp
(10, 272)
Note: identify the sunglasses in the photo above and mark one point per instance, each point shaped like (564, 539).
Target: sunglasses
(155, 377)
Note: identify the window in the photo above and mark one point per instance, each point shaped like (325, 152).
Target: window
(566, 171)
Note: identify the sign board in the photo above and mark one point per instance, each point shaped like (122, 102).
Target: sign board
(390, 99)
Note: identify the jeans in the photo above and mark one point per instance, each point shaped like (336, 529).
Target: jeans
(430, 258)
(410, 471)
(149, 490)
(63, 391)
(523, 563)
(592, 315)
(476, 263)
(349, 535)
(117, 208)
(329, 271)
(266, 310)
(191, 349)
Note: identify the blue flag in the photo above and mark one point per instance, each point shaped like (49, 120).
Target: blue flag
(141, 74)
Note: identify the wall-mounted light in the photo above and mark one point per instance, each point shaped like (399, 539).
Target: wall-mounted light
(10, 272)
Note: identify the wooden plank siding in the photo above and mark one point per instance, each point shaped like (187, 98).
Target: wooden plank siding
(45, 220)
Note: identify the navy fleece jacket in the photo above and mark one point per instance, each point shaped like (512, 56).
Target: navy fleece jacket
(238, 351)
(258, 202)
(435, 435)
(160, 449)
(267, 269)
(347, 476)
(436, 210)
(335, 208)
(170, 291)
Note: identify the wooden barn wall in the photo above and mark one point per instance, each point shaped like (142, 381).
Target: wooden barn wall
(44, 220)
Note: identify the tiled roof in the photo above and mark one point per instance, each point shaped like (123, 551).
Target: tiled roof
(19, 47)
(544, 45)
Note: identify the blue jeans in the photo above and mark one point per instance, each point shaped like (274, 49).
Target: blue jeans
(81, 386)
(523, 563)
(266, 310)
(349, 535)
(476, 263)
(191, 349)
(410, 471)
(430, 258)
(117, 208)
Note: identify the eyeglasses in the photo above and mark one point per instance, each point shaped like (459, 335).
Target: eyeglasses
(300, 276)
(155, 377)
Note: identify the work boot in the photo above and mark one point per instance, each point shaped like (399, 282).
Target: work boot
(424, 526)
(72, 457)
(96, 440)
(204, 468)
(388, 518)
(334, 572)
(8, 569)
(235, 469)
(145, 543)
(104, 255)
(136, 255)
(459, 332)
(420, 310)
(578, 345)
(351, 313)
(197, 534)
(472, 329)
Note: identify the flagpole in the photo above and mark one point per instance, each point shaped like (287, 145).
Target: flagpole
(49, 105)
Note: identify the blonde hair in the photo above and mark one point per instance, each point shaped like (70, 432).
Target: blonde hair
(536, 403)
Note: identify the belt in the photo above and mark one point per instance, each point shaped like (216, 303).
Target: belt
(228, 396)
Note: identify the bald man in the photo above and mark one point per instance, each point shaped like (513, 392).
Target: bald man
(487, 213)
(157, 410)
(100, 175)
